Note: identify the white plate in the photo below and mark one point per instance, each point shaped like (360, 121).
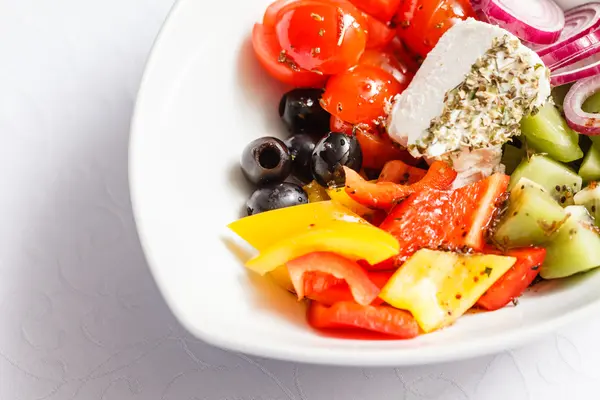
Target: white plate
(203, 98)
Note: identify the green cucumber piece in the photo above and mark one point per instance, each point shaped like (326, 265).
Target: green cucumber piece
(592, 104)
(590, 168)
(548, 132)
(533, 217)
(576, 247)
(559, 93)
(512, 157)
(590, 199)
(558, 179)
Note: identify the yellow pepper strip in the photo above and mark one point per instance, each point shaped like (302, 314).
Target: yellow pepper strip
(340, 196)
(264, 229)
(438, 287)
(315, 192)
(350, 239)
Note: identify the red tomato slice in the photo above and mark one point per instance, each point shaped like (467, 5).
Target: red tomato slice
(421, 23)
(378, 148)
(514, 282)
(363, 290)
(385, 195)
(321, 36)
(270, 17)
(360, 95)
(267, 52)
(387, 61)
(443, 219)
(397, 171)
(381, 319)
(338, 125)
(383, 10)
(326, 289)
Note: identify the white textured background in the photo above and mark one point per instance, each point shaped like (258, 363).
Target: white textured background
(80, 316)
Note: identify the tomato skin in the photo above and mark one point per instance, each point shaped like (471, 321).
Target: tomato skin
(338, 125)
(267, 52)
(385, 195)
(383, 10)
(381, 319)
(514, 282)
(397, 171)
(272, 11)
(421, 23)
(363, 290)
(388, 62)
(359, 95)
(327, 289)
(379, 35)
(321, 36)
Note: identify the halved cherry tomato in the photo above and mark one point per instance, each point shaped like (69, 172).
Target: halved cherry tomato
(271, 13)
(384, 195)
(360, 95)
(321, 36)
(268, 53)
(514, 282)
(377, 147)
(327, 289)
(388, 62)
(421, 23)
(382, 319)
(379, 34)
(397, 171)
(383, 10)
(363, 290)
(338, 125)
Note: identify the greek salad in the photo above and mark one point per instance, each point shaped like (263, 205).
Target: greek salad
(441, 156)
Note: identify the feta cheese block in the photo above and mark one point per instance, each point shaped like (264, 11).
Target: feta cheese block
(470, 93)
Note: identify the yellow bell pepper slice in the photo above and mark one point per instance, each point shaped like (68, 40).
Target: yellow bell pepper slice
(438, 287)
(315, 192)
(339, 195)
(264, 229)
(353, 240)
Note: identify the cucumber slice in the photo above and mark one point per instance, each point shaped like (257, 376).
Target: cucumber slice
(533, 217)
(590, 199)
(512, 157)
(558, 179)
(575, 249)
(592, 104)
(590, 169)
(548, 132)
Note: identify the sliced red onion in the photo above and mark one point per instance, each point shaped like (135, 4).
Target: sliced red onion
(477, 7)
(582, 69)
(579, 22)
(579, 120)
(574, 51)
(536, 21)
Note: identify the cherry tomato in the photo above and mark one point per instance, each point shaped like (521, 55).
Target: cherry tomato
(383, 10)
(268, 53)
(271, 13)
(378, 148)
(421, 23)
(360, 95)
(389, 63)
(320, 36)
(379, 34)
(338, 125)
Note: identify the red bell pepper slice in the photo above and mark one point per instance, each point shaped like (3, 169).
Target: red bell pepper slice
(384, 195)
(327, 289)
(381, 319)
(397, 171)
(363, 290)
(514, 282)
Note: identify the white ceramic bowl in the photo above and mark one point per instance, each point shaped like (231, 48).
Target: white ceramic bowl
(203, 98)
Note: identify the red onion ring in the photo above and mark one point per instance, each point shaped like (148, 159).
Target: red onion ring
(536, 21)
(574, 51)
(579, 21)
(582, 69)
(579, 120)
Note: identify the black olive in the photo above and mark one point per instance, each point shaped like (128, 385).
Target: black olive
(266, 160)
(301, 111)
(332, 153)
(301, 147)
(275, 196)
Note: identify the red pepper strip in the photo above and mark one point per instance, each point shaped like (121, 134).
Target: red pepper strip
(382, 319)
(384, 195)
(363, 290)
(514, 282)
(335, 290)
(397, 171)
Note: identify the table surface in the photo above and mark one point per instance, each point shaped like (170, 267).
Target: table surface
(81, 317)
